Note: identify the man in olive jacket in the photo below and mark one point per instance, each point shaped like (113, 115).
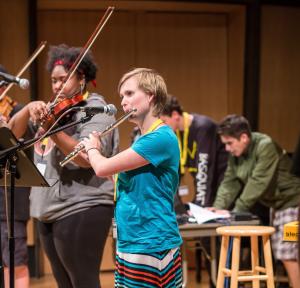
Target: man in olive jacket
(259, 171)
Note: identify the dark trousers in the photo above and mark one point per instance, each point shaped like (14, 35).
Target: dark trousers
(74, 246)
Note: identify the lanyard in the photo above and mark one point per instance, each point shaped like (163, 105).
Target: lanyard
(154, 125)
(183, 145)
(85, 95)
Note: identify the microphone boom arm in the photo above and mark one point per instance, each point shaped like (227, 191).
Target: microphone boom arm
(23, 145)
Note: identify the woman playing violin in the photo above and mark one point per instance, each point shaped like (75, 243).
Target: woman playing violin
(74, 214)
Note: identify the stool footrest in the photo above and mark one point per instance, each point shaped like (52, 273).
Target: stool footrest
(246, 273)
(260, 269)
(252, 277)
(228, 271)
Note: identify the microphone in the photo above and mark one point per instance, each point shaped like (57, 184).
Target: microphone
(23, 83)
(109, 109)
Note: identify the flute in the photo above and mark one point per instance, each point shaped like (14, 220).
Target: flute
(108, 129)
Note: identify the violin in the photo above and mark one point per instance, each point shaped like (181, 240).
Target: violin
(67, 103)
(57, 107)
(6, 106)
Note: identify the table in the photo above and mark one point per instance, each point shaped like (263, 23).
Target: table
(190, 231)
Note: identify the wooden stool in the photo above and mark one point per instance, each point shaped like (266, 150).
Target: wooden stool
(254, 275)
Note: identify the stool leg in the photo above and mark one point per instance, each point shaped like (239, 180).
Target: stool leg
(184, 265)
(235, 263)
(254, 260)
(213, 264)
(222, 261)
(268, 261)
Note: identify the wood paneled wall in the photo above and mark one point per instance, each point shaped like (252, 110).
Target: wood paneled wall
(279, 113)
(192, 50)
(14, 47)
(124, 44)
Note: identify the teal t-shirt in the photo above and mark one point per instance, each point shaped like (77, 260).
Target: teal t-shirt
(144, 214)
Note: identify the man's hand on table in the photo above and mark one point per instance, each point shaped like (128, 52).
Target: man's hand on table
(218, 211)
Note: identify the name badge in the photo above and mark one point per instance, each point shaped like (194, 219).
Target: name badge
(41, 167)
(183, 190)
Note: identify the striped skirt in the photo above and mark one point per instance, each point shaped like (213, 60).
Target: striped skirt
(160, 269)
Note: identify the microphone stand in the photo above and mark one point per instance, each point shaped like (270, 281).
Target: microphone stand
(23, 145)
(10, 155)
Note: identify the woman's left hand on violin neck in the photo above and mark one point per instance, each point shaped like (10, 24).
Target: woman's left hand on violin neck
(37, 110)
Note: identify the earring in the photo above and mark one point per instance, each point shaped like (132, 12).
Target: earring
(81, 87)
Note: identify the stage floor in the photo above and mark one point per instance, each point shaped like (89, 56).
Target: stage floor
(107, 281)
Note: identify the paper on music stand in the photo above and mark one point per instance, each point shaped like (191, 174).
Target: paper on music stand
(203, 215)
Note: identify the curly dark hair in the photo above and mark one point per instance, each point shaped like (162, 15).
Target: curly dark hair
(66, 56)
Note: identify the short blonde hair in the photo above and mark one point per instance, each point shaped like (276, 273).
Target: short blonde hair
(149, 81)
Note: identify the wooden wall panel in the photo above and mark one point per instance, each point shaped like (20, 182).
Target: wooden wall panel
(116, 51)
(280, 69)
(138, 5)
(14, 50)
(236, 47)
(190, 50)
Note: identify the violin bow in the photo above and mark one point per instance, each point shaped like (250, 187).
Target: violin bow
(37, 51)
(84, 51)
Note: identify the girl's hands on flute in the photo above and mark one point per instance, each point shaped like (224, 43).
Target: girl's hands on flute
(92, 142)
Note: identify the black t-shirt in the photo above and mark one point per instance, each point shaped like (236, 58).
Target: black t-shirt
(206, 159)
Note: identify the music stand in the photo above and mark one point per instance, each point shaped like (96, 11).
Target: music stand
(23, 173)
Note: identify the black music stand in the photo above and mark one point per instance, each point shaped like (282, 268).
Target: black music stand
(23, 173)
